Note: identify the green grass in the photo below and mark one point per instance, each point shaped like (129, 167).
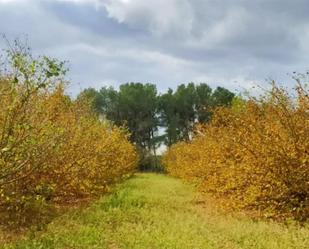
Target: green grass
(157, 211)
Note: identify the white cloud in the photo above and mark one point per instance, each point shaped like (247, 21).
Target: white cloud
(159, 17)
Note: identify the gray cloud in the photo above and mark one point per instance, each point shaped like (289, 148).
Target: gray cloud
(232, 43)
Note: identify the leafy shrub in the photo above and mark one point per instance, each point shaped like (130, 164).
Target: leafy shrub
(52, 148)
(253, 156)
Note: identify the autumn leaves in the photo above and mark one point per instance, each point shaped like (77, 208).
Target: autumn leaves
(253, 156)
(53, 149)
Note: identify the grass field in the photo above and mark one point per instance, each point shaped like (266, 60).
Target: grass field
(153, 211)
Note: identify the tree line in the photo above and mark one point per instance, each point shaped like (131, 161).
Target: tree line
(152, 118)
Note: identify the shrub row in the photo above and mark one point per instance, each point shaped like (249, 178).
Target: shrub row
(253, 155)
(52, 149)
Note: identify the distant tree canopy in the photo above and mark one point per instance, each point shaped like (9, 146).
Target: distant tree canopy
(143, 111)
(189, 104)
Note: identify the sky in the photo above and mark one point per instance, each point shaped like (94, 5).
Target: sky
(232, 43)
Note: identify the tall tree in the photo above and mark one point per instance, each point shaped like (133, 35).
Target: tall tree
(189, 104)
(222, 97)
(203, 102)
(93, 97)
(110, 107)
(138, 110)
(185, 96)
(169, 117)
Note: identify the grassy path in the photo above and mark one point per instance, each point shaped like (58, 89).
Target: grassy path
(152, 212)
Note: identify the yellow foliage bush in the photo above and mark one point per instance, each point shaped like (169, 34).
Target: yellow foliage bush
(53, 149)
(253, 155)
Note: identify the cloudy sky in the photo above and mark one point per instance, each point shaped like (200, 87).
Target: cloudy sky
(232, 43)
